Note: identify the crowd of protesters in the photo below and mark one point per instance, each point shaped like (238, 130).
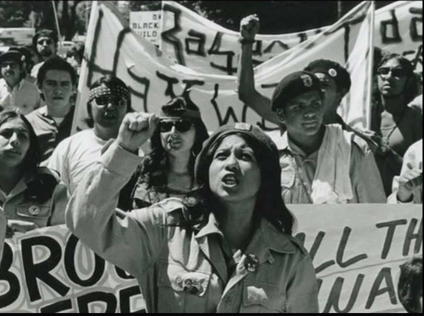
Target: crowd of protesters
(202, 204)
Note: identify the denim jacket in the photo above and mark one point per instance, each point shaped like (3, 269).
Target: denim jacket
(184, 270)
(20, 205)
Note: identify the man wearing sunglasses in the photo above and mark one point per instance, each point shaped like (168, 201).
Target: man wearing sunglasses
(109, 101)
(44, 43)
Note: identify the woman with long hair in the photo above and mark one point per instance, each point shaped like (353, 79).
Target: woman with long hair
(227, 249)
(396, 126)
(168, 171)
(31, 196)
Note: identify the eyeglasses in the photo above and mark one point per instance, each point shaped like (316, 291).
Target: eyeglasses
(182, 126)
(46, 41)
(396, 72)
(103, 101)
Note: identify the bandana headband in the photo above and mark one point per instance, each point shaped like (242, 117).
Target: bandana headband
(102, 91)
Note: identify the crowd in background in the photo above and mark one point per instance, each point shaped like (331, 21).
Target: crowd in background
(203, 181)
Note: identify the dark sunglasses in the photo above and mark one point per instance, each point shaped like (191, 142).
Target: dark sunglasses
(396, 72)
(181, 126)
(47, 41)
(105, 100)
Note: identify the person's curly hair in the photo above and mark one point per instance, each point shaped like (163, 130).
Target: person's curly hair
(410, 285)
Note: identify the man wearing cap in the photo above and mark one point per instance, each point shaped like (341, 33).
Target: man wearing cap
(109, 101)
(15, 91)
(321, 164)
(52, 123)
(44, 43)
(335, 79)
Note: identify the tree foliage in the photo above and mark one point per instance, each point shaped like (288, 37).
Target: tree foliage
(276, 16)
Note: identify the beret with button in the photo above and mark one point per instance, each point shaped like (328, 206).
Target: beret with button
(292, 86)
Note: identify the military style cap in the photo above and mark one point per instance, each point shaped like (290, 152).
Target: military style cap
(292, 86)
(334, 70)
(13, 54)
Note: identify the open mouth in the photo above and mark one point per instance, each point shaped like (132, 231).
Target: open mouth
(13, 152)
(174, 142)
(109, 116)
(230, 180)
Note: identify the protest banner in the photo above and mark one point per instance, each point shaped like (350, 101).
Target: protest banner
(50, 271)
(206, 47)
(356, 251)
(147, 24)
(113, 48)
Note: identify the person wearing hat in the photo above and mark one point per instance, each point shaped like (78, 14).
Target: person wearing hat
(168, 171)
(321, 164)
(228, 248)
(15, 91)
(108, 103)
(44, 43)
(335, 79)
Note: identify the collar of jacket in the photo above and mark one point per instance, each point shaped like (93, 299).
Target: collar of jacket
(265, 238)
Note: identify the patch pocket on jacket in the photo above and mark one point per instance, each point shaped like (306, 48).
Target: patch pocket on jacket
(288, 173)
(263, 298)
(181, 290)
(33, 211)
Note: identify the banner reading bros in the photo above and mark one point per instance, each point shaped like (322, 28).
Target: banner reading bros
(356, 251)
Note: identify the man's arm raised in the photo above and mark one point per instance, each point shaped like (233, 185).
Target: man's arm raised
(248, 94)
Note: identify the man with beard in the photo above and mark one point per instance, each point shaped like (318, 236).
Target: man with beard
(15, 91)
(52, 123)
(109, 101)
(44, 43)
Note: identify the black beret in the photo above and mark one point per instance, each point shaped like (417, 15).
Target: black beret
(340, 75)
(294, 85)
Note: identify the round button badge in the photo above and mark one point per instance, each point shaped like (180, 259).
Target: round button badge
(34, 210)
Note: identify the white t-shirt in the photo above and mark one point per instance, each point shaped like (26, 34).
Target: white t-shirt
(74, 156)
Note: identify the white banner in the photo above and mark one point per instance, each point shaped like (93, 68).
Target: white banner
(356, 257)
(206, 47)
(113, 48)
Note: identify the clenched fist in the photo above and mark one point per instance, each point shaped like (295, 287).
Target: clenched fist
(136, 129)
(408, 182)
(249, 27)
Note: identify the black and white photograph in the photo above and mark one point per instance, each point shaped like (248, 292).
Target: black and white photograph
(211, 156)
